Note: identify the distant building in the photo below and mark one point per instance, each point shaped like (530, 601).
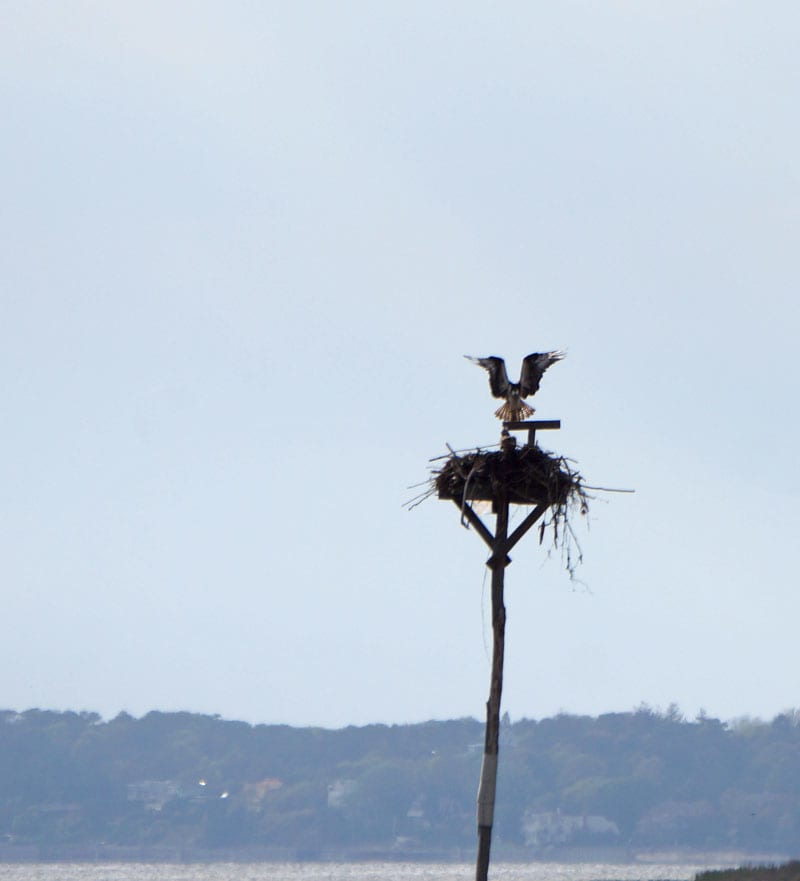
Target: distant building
(552, 829)
(339, 792)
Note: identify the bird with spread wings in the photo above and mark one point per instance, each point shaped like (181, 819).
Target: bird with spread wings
(514, 409)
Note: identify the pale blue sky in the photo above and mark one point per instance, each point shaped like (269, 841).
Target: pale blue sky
(243, 248)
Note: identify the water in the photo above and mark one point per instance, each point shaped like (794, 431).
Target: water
(343, 872)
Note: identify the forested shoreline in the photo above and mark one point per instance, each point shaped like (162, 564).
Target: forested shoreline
(182, 781)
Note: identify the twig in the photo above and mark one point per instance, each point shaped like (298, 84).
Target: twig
(606, 489)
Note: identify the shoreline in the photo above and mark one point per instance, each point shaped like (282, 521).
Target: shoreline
(103, 853)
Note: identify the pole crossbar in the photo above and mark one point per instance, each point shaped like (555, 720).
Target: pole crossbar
(531, 426)
(526, 524)
(483, 531)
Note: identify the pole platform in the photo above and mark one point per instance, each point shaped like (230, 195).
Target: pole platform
(522, 475)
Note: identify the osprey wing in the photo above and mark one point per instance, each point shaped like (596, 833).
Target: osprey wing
(498, 378)
(533, 367)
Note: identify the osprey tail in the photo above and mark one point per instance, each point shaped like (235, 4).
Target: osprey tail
(515, 412)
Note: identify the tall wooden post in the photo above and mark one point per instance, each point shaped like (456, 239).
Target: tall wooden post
(488, 783)
(500, 543)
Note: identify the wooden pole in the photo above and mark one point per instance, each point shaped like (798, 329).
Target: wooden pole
(500, 544)
(488, 784)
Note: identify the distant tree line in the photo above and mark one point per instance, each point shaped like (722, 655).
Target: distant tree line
(640, 779)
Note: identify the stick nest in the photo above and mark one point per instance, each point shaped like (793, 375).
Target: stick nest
(524, 475)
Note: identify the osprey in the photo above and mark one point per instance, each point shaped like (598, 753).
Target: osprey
(533, 367)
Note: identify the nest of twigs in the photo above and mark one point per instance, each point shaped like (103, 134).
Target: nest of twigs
(525, 475)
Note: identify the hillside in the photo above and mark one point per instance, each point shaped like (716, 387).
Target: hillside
(179, 780)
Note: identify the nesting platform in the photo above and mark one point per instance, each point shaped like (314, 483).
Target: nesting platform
(523, 476)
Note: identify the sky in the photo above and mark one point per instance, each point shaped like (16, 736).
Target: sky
(243, 249)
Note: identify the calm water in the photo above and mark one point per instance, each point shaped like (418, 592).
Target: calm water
(340, 872)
